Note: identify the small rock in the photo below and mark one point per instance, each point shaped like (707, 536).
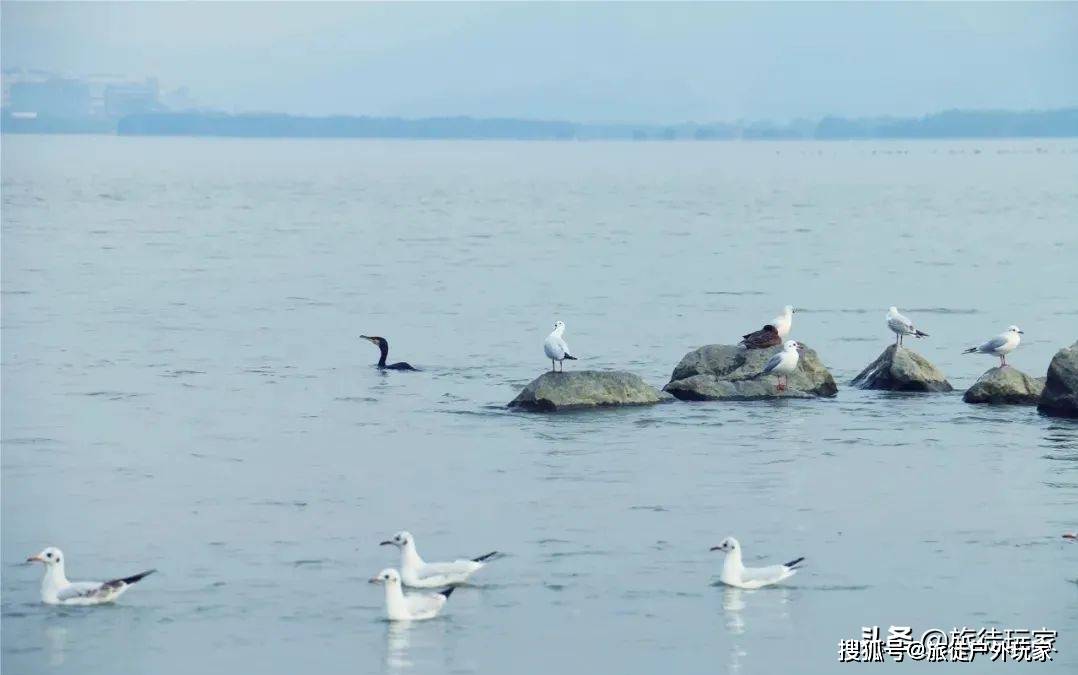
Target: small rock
(1005, 385)
(576, 389)
(901, 369)
(731, 372)
(1060, 396)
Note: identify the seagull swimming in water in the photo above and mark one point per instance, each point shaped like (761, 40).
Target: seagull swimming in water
(419, 574)
(734, 572)
(383, 348)
(783, 363)
(901, 326)
(57, 590)
(411, 607)
(555, 347)
(1001, 345)
(783, 322)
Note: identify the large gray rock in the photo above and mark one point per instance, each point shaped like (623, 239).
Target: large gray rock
(901, 369)
(1060, 397)
(577, 389)
(731, 372)
(1005, 385)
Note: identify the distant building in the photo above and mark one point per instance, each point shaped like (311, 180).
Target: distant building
(55, 97)
(132, 98)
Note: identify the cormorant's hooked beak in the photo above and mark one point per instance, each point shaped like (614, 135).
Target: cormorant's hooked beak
(367, 338)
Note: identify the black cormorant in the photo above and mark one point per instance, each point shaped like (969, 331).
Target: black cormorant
(383, 347)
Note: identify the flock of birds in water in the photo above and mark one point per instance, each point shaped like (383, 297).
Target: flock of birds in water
(781, 365)
(414, 572)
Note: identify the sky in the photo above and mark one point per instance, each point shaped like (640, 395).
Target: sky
(659, 62)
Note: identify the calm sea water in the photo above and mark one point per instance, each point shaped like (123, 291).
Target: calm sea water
(184, 388)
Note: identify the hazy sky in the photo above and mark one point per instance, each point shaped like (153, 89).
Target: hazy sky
(644, 62)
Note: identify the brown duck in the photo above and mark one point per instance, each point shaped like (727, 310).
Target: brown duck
(762, 339)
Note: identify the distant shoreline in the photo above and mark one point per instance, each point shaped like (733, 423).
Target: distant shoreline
(949, 125)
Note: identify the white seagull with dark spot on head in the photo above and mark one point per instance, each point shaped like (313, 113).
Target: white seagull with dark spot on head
(1001, 345)
(784, 363)
(556, 348)
(420, 574)
(784, 322)
(57, 590)
(901, 326)
(734, 572)
(411, 607)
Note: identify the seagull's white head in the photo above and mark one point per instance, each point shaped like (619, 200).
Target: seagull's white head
(893, 310)
(400, 540)
(388, 576)
(559, 325)
(792, 345)
(50, 557)
(728, 545)
(1014, 329)
(788, 310)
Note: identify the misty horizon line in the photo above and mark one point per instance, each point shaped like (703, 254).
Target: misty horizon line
(955, 123)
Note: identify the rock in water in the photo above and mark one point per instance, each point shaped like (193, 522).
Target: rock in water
(731, 372)
(1060, 397)
(901, 369)
(1005, 385)
(577, 389)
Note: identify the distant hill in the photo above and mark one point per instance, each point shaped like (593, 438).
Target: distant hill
(948, 124)
(957, 124)
(270, 125)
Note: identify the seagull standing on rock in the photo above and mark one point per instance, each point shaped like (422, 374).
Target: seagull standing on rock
(784, 363)
(412, 607)
(555, 347)
(57, 590)
(419, 574)
(1001, 345)
(783, 322)
(901, 326)
(734, 572)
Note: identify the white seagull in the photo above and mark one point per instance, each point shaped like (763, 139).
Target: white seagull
(555, 348)
(734, 572)
(419, 574)
(1001, 345)
(57, 590)
(784, 322)
(901, 326)
(783, 363)
(411, 607)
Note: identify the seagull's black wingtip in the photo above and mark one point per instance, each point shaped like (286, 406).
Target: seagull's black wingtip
(485, 557)
(447, 592)
(138, 577)
(793, 563)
